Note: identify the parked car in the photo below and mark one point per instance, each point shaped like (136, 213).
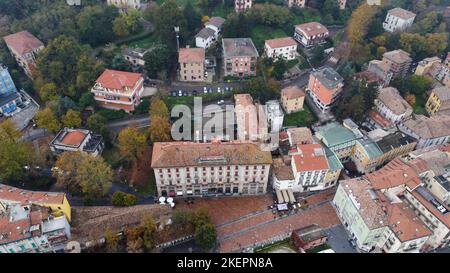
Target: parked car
(185, 93)
(220, 102)
(180, 93)
(218, 89)
(205, 90)
(173, 93)
(194, 93)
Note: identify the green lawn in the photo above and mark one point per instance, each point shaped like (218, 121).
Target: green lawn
(222, 11)
(269, 248)
(300, 119)
(145, 42)
(261, 33)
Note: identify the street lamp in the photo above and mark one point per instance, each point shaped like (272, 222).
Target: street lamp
(177, 30)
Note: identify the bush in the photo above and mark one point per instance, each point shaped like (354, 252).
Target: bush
(110, 114)
(123, 199)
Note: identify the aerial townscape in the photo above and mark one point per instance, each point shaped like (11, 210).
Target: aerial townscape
(233, 126)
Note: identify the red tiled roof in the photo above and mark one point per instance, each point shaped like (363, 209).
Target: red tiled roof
(312, 28)
(281, 42)
(115, 79)
(394, 174)
(191, 55)
(74, 138)
(312, 157)
(292, 92)
(23, 42)
(23, 196)
(378, 118)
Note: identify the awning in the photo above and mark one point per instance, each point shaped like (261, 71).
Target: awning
(291, 196)
(279, 196)
(179, 193)
(189, 192)
(285, 196)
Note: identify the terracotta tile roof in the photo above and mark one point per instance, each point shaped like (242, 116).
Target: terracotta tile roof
(23, 42)
(281, 42)
(13, 194)
(405, 224)
(402, 13)
(283, 172)
(115, 79)
(373, 212)
(292, 92)
(312, 29)
(443, 93)
(183, 154)
(378, 118)
(394, 174)
(310, 157)
(74, 138)
(18, 229)
(191, 55)
(390, 97)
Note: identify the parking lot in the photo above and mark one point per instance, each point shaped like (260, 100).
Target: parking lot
(185, 89)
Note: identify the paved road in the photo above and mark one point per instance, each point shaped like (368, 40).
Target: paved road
(32, 134)
(139, 121)
(338, 240)
(191, 89)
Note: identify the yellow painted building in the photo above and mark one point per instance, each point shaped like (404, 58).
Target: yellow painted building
(438, 100)
(425, 65)
(292, 99)
(56, 201)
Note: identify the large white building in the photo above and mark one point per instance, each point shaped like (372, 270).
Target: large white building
(202, 169)
(77, 140)
(428, 131)
(398, 19)
(312, 168)
(128, 4)
(242, 5)
(285, 48)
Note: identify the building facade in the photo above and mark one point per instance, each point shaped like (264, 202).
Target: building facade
(439, 100)
(275, 116)
(24, 47)
(239, 57)
(325, 86)
(428, 131)
(202, 169)
(192, 64)
(392, 106)
(135, 56)
(311, 34)
(118, 90)
(9, 96)
(281, 48)
(242, 5)
(292, 99)
(398, 19)
(399, 62)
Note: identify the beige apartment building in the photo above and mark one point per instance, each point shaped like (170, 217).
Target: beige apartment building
(24, 47)
(192, 64)
(292, 99)
(399, 62)
(239, 57)
(218, 168)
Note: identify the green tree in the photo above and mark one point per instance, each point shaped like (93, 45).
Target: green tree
(160, 129)
(65, 171)
(87, 99)
(149, 231)
(111, 240)
(46, 119)
(206, 236)
(95, 24)
(159, 58)
(122, 199)
(158, 108)
(49, 91)
(72, 119)
(131, 143)
(14, 154)
(94, 176)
